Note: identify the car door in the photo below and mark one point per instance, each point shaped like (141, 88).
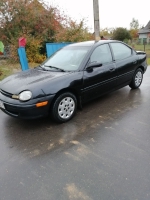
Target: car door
(126, 62)
(100, 78)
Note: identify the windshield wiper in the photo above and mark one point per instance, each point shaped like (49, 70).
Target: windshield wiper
(43, 68)
(62, 70)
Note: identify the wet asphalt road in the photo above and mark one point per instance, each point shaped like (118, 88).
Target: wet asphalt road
(102, 154)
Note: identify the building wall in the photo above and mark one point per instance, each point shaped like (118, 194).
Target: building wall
(144, 37)
(148, 38)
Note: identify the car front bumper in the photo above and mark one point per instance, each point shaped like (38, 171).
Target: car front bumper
(27, 110)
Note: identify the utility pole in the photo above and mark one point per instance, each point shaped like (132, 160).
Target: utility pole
(96, 19)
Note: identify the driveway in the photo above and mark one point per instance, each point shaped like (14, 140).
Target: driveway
(101, 154)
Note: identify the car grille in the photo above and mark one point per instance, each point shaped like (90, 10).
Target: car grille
(6, 94)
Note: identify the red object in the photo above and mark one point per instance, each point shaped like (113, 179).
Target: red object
(102, 38)
(22, 42)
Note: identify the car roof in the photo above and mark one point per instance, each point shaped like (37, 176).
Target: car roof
(91, 43)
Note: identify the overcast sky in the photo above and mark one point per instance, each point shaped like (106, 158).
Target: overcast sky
(113, 13)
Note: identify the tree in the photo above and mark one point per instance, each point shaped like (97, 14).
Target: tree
(134, 27)
(38, 23)
(107, 32)
(134, 33)
(134, 24)
(121, 34)
(29, 18)
(73, 32)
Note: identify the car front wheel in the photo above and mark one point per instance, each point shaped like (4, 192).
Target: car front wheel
(64, 107)
(137, 79)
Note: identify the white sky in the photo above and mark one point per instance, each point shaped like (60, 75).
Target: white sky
(113, 13)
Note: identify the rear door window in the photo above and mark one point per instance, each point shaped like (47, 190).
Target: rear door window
(121, 51)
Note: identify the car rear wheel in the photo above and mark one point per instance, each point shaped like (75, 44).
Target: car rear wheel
(64, 107)
(137, 79)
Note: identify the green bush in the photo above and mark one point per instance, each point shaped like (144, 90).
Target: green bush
(33, 51)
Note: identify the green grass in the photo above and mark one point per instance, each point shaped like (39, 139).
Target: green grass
(4, 73)
(140, 47)
(148, 61)
(7, 68)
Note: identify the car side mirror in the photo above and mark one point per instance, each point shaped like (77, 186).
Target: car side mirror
(93, 65)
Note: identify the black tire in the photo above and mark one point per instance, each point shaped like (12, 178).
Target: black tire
(137, 79)
(64, 107)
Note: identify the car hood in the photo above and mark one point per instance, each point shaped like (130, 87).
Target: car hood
(27, 80)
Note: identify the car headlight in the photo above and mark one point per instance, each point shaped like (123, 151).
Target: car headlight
(25, 96)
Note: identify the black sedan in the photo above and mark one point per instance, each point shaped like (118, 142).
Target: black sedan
(72, 76)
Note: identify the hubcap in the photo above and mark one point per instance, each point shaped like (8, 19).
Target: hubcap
(66, 107)
(138, 78)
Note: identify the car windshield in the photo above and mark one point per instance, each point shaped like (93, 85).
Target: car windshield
(66, 59)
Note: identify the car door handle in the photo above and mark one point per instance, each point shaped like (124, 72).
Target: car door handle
(112, 69)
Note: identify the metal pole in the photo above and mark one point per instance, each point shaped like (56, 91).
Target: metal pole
(96, 19)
